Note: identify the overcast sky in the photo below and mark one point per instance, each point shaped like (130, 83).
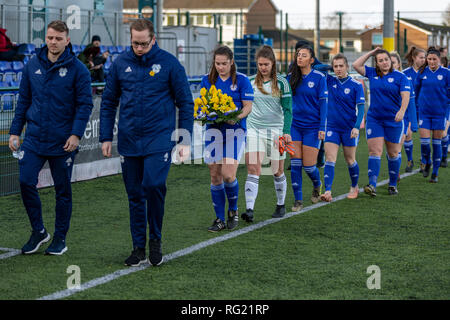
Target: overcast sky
(301, 13)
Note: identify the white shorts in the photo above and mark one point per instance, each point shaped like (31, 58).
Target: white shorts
(264, 140)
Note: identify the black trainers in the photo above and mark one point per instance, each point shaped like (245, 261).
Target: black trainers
(155, 252)
(247, 215)
(425, 169)
(217, 226)
(410, 166)
(370, 190)
(57, 247)
(392, 190)
(434, 178)
(280, 211)
(136, 258)
(36, 240)
(233, 219)
(444, 163)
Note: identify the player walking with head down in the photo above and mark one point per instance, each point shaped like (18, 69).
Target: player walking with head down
(309, 108)
(223, 153)
(415, 58)
(432, 89)
(345, 113)
(270, 118)
(389, 98)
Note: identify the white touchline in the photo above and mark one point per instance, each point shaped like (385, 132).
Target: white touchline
(123, 272)
(10, 253)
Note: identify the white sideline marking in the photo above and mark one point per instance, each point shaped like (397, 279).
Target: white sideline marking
(123, 272)
(10, 253)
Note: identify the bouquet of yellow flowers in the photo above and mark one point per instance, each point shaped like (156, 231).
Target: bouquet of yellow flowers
(213, 106)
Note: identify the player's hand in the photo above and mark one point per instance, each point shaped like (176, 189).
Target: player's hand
(106, 149)
(354, 133)
(71, 143)
(321, 135)
(287, 137)
(14, 142)
(399, 116)
(182, 153)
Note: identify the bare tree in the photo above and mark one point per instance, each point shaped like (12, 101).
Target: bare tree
(332, 21)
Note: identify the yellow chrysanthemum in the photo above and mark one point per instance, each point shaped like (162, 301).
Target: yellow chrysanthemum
(213, 89)
(204, 100)
(203, 92)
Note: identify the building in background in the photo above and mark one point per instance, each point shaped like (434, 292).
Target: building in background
(412, 33)
(236, 17)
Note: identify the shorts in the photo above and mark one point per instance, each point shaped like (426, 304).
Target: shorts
(432, 123)
(390, 130)
(264, 140)
(219, 144)
(341, 137)
(407, 124)
(308, 137)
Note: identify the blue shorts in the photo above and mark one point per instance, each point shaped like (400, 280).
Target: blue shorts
(308, 137)
(432, 123)
(219, 144)
(405, 130)
(341, 137)
(390, 130)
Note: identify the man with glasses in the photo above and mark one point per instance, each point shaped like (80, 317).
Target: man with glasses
(55, 103)
(149, 83)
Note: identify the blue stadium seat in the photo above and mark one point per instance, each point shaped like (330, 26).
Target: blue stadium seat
(103, 49)
(120, 49)
(76, 49)
(8, 101)
(114, 56)
(19, 76)
(108, 64)
(17, 66)
(9, 76)
(5, 66)
(30, 49)
(14, 83)
(112, 49)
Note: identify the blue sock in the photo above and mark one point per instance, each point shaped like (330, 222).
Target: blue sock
(425, 150)
(296, 178)
(328, 174)
(374, 169)
(437, 155)
(445, 145)
(313, 174)
(218, 199)
(394, 169)
(353, 170)
(408, 145)
(232, 191)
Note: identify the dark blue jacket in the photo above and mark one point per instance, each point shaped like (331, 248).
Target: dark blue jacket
(148, 89)
(55, 101)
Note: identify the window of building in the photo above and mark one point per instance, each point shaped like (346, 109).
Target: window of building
(329, 43)
(229, 19)
(170, 20)
(349, 43)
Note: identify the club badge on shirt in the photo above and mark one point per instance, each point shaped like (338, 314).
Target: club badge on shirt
(156, 68)
(310, 84)
(62, 72)
(440, 77)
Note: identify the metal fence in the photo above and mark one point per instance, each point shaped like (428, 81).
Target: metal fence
(9, 168)
(27, 24)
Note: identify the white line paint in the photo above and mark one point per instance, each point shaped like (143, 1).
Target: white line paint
(10, 253)
(196, 247)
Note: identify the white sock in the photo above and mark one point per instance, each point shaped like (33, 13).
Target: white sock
(280, 188)
(251, 190)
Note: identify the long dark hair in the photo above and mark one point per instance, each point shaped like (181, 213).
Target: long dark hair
(213, 74)
(377, 68)
(296, 72)
(412, 53)
(267, 52)
(431, 50)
